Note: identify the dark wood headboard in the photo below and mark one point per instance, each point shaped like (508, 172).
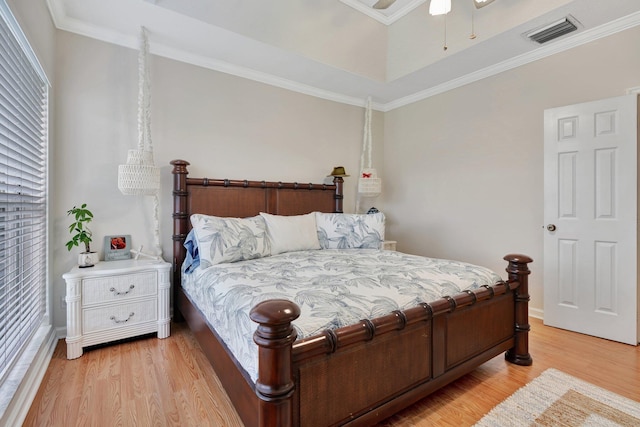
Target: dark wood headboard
(232, 198)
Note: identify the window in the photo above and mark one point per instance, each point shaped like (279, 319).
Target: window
(23, 137)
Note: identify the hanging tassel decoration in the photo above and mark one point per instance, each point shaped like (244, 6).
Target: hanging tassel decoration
(369, 185)
(140, 176)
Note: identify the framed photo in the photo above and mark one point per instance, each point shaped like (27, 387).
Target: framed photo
(117, 247)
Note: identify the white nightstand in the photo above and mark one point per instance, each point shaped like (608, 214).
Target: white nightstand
(115, 300)
(389, 245)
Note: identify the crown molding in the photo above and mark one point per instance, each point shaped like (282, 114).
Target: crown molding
(561, 45)
(64, 22)
(258, 76)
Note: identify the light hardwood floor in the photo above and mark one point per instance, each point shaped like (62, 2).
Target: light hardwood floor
(152, 382)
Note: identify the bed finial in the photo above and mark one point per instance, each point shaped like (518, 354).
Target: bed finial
(275, 336)
(518, 270)
(179, 166)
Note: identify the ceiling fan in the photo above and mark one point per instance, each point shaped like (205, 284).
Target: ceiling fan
(481, 3)
(384, 4)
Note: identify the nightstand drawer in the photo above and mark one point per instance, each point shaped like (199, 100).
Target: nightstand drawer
(118, 315)
(116, 288)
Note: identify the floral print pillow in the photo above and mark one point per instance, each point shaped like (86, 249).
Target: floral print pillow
(223, 240)
(350, 231)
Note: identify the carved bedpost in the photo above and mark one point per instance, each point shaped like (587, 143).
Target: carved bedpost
(519, 271)
(339, 183)
(275, 336)
(180, 225)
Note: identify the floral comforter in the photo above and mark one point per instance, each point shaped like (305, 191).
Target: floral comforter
(333, 288)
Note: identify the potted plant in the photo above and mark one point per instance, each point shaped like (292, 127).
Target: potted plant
(80, 233)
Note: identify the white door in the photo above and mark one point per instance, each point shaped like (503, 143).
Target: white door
(590, 210)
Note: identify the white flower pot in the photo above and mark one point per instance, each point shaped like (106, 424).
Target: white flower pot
(88, 259)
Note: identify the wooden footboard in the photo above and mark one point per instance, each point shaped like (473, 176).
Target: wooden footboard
(363, 373)
(359, 374)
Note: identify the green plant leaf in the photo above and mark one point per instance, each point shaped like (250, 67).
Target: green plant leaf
(82, 216)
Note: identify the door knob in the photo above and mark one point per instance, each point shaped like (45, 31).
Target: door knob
(551, 227)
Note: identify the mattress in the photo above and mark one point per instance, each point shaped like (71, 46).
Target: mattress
(333, 288)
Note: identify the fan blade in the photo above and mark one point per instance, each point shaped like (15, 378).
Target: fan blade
(481, 3)
(383, 4)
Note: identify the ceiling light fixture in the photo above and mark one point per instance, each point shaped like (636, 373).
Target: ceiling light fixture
(443, 7)
(440, 7)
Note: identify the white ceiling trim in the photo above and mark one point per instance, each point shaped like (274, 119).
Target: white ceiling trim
(379, 16)
(570, 42)
(63, 22)
(258, 76)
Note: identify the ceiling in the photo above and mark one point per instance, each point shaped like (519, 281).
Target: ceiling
(343, 50)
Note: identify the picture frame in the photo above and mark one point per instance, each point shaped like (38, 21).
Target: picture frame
(117, 247)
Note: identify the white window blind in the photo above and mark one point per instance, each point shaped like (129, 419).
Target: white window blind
(23, 136)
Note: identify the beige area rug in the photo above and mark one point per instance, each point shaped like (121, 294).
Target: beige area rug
(557, 399)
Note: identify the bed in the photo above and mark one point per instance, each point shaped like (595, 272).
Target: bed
(356, 374)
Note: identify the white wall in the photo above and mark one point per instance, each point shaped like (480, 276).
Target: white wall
(465, 168)
(462, 170)
(226, 127)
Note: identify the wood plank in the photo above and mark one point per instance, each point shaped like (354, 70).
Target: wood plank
(170, 382)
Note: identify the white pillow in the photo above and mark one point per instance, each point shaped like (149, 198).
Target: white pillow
(350, 231)
(291, 233)
(230, 239)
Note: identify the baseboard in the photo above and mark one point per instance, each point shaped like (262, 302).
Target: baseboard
(536, 313)
(20, 403)
(61, 332)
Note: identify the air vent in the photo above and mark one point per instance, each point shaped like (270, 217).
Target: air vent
(552, 31)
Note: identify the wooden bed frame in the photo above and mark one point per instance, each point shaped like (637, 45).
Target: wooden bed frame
(356, 375)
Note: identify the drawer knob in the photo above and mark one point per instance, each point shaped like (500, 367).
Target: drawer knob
(122, 321)
(116, 292)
